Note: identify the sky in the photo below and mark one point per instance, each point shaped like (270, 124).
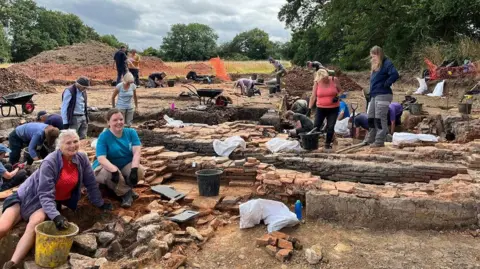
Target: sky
(144, 23)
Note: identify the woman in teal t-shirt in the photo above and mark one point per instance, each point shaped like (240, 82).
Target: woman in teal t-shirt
(127, 95)
(118, 158)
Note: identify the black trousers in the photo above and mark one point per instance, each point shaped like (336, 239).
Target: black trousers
(331, 115)
(120, 74)
(135, 75)
(18, 179)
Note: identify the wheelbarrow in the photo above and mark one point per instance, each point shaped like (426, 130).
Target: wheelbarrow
(207, 96)
(23, 99)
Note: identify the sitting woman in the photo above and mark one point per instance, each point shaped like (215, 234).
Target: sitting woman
(58, 181)
(118, 158)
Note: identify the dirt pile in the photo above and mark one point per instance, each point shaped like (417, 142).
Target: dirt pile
(11, 81)
(299, 81)
(200, 68)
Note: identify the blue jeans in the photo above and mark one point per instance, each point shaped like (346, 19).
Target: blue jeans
(120, 74)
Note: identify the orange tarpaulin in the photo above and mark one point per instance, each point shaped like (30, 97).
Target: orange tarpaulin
(220, 70)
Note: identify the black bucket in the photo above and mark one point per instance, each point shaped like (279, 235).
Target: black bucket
(209, 182)
(171, 83)
(310, 141)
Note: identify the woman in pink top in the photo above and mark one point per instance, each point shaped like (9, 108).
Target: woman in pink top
(326, 91)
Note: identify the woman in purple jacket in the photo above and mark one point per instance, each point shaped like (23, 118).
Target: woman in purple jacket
(58, 181)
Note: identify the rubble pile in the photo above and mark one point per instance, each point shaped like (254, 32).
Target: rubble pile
(279, 245)
(11, 82)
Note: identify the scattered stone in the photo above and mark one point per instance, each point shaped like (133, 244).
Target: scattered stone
(230, 200)
(283, 254)
(205, 220)
(78, 261)
(193, 232)
(182, 240)
(101, 253)
(168, 239)
(167, 256)
(314, 254)
(157, 244)
(155, 207)
(271, 250)
(85, 243)
(241, 257)
(207, 232)
(118, 228)
(100, 262)
(115, 248)
(205, 202)
(104, 238)
(138, 251)
(147, 232)
(175, 261)
(148, 219)
(127, 219)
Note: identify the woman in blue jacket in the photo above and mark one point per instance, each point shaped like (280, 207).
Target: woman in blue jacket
(383, 75)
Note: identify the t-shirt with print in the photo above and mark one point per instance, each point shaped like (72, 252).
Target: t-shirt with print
(125, 97)
(117, 150)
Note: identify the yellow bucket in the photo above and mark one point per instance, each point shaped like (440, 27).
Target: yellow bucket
(52, 246)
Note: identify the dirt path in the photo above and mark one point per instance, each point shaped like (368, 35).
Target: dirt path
(345, 248)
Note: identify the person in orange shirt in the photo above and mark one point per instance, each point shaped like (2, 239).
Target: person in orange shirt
(133, 62)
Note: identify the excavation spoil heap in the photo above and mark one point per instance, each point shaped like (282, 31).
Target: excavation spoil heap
(11, 81)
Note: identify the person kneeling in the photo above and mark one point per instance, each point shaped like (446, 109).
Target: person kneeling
(10, 177)
(301, 122)
(118, 158)
(58, 181)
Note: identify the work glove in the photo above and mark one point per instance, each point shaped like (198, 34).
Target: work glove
(133, 178)
(60, 222)
(106, 206)
(309, 113)
(115, 177)
(66, 126)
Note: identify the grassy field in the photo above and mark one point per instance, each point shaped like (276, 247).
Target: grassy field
(240, 67)
(4, 65)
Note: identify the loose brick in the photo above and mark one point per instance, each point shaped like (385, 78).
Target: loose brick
(251, 160)
(271, 175)
(328, 186)
(272, 182)
(271, 250)
(346, 187)
(287, 180)
(283, 255)
(284, 244)
(266, 240)
(279, 235)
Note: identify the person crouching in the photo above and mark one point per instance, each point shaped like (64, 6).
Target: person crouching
(301, 122)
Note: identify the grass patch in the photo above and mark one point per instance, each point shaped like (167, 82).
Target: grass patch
(5, 65)
(239, 67)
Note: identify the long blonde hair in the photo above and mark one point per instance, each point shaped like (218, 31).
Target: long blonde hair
(375, 66)
(320, 74)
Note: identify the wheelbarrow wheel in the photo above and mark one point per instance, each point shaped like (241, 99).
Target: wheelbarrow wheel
(221, 101)
(28, 107)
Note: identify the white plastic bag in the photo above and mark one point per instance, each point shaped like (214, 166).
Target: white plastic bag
(341, 127)
(409, 138)
(275, 214)
(423, 86)
(172, 122)
(279, 144)
(225, 148)
(438, 92)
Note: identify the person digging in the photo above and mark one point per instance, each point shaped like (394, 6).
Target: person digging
(301, 122)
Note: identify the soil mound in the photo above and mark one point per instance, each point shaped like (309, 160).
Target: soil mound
(200, 68)
(11, 82)
(298, 81)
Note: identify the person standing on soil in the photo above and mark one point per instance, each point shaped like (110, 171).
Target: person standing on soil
(50, 119)
(57, 182)
(126, 92)
(134, 65)
(33, 134)
(118, 153)
(279, 70)
(326, 91)
(156, 80)
(9, 176)
(383, 75)
(74, 107)
(120, 59)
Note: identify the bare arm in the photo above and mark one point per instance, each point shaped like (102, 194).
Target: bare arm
(392, 127)
(135, 99)
(136, 156)
(115, 93)
(313, 96)
(338, 86)
(340, 115)
(10, 175)
(107, 165)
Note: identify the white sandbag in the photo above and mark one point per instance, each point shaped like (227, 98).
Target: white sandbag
(225, 148)
(409, 138)
(172, 122)
(275, 214)
(423, 86)
(279, 144)
(438, 92)
(341, 127)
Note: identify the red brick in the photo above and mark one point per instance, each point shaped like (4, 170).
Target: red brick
(272, 182)
(283, 254)
(271, 250)
(284, 244)
(271, 175)
(266, 240)
(279, 235)
(328, 186)
(287, 180)
(251, 160)
(345, 186)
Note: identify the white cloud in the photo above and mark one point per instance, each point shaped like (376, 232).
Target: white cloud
(144, 23)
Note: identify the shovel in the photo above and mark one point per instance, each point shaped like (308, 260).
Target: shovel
(312, 130)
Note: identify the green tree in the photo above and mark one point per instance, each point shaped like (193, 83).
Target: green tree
(4, 46)
(151, 52)
(111, 40)
(192, 42)
(254, 44)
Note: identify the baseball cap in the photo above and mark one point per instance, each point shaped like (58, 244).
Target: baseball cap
(4, 148)
(83, 81)
(41, 113)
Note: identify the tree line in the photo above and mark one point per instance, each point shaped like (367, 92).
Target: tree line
(342, 31)
(32, 29)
